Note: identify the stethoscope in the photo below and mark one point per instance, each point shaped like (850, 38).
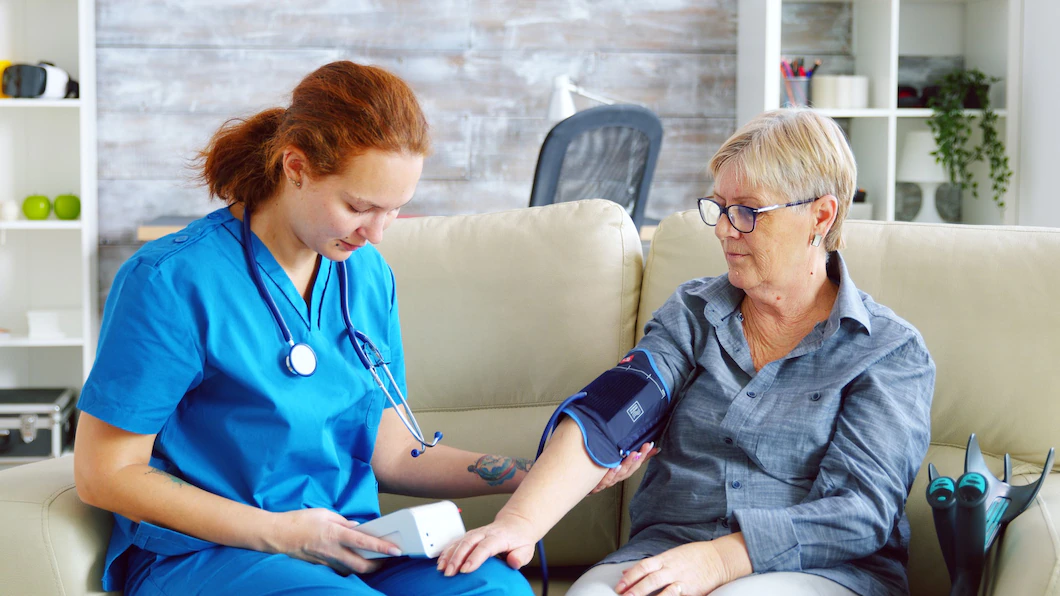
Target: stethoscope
(302, 360)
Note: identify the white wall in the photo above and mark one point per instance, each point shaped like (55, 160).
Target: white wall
(1039, 202)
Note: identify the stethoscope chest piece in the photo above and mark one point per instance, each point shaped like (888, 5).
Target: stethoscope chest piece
(301, 360)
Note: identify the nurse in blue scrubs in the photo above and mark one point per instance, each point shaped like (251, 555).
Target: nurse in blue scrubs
(233, 463)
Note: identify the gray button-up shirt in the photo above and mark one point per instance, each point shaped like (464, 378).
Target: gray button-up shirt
(811, 457)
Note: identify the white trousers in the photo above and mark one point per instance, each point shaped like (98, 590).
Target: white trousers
(602, 579)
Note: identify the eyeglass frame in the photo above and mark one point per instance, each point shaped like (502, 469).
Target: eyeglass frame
(754, 211)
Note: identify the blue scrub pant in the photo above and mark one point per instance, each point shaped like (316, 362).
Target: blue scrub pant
(227, 571)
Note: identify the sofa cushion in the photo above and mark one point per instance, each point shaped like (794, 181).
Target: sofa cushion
(503, 316)
(54, 543)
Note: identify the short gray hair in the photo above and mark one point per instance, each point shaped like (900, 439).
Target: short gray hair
(795, 153)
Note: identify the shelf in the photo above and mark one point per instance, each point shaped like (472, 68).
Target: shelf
(864, 113)
(21, 341)
(926, 112)
(900, 112)
(44, 224)
(16, 103)
(912, 41)
(908, 1)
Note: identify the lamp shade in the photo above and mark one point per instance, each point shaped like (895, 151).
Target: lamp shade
(561, 104)
(917, 164)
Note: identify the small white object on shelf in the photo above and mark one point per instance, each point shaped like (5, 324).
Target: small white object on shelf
(840, 92)
(918, 165)
(53, 324)
(8, 211)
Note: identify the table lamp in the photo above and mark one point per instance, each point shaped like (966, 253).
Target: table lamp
(918, 165)
(561, 104)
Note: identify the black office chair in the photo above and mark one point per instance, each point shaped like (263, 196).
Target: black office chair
(606, 152)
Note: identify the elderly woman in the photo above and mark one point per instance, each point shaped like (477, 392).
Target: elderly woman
(801, 409)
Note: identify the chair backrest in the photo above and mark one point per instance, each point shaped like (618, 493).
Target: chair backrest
(606, 152)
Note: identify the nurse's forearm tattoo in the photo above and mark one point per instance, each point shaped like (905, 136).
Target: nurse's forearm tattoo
(175, 480)
(496, 469)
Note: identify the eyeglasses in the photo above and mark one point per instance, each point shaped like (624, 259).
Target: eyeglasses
(741, 217)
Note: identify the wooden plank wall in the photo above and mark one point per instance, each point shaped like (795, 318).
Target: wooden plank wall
(171, 71)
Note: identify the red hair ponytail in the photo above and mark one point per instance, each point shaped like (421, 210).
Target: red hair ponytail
(338, 111)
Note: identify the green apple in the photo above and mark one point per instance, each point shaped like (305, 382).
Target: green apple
(36, 207)
(67, 206)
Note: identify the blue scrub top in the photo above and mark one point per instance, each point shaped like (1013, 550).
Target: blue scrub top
(189, 351)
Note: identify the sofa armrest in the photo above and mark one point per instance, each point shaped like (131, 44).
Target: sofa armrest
(55, 544)
(1027, 560)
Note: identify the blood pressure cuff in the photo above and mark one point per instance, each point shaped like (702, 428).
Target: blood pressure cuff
(622, 409)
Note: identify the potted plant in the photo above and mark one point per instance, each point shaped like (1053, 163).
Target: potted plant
(952, 126)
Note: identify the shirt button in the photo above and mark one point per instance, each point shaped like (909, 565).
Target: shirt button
(728, 440)
(752, 394)
(815, 397)
(724, 522)
(180, 239)
(214, 215)
(736, 484)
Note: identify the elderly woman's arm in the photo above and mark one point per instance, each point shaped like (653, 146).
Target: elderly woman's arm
(560, 478)
(565, 473)
(880, 440)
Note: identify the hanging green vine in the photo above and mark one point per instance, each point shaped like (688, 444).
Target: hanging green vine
(952, 127)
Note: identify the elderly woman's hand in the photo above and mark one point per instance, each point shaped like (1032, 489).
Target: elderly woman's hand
(510, 535)
(631, 464)
(692, 569)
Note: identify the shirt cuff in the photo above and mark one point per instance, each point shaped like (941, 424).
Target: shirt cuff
(770, 538)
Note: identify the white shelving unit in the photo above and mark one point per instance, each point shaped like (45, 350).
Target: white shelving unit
(986, 33)
(49, 147)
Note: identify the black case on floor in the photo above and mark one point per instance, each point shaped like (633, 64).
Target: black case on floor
(35, 424)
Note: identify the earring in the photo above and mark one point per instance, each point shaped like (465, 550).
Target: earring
(297, 184)
(816, 240)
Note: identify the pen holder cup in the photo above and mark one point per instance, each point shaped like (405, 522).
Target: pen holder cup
(795, 92)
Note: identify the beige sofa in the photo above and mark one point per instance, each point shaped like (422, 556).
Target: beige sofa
(505, 314)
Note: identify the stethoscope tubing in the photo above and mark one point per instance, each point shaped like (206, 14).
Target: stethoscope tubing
(248, 252)
(403, 410)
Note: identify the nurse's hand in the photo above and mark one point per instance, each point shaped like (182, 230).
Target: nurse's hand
(631, 464)
(510, 535)
(326, 538)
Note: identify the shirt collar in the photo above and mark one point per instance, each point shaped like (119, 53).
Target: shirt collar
(723, 299)
(848, 303)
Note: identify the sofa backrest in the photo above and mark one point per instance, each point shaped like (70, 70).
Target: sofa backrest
(985, 300)
(503, 316)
